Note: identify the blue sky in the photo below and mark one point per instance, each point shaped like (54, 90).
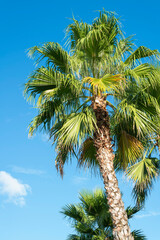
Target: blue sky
(31, 191)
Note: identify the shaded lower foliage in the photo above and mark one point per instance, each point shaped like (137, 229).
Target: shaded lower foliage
(91, 219)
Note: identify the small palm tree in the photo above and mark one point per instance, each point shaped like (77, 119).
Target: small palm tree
(91, 218)
(75, 91)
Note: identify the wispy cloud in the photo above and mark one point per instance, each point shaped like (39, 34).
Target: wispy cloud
(45, 137)
(79, 180)
(150, 214)
(27, 170)
(31, 137)
(13, 189)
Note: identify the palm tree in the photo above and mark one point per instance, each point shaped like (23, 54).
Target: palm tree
(90, 218)
(74, 91)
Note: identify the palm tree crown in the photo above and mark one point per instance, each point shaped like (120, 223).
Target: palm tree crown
(91, 219)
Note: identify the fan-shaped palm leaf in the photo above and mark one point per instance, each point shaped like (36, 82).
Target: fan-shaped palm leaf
(105, 83)
(54, 55)
(76, 127)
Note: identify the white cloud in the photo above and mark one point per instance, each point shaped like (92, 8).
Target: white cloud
(150, 214)
(13, 189)
(45, 137)
(27, 170)
(79, 180)
(31, 137)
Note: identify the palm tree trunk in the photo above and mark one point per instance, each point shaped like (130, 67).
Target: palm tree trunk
(105, 158)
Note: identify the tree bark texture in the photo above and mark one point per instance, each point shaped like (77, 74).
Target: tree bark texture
(105, 157)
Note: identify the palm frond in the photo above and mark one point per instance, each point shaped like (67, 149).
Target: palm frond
(131, 211)
(142, 52)
(64, 154)
(123, 46)
(137, 120)
(138, 235)
(74, 212)
(106, 83)
(48, 84)
(87, 155)
(129, 149)
(143, 174)
(42, 79)
(54, 55)
(45, 117)
(111, 25)
(145, 74)
(144, 171)
(74, 237)
(76, 31)
(76, 127)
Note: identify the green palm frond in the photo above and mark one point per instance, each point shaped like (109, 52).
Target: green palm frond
(87, 155)
(45, 118)
(140, 194)
(76, 237)
(110, 23)
(129, 149)
(140, 122)
(131, 211)
(144, 171)
(105, 83)
(138, 235)
(143, 174)
(50, 85)
(94, 39)
(74, 212)
(88, 41)
(123, 46)
(93, 203)
(84, 227)
(142, 52)
(64, 154)
(42, 79)
(54, 54)
(76, 127)
(145, 74)
(81, 222)
(76, 31)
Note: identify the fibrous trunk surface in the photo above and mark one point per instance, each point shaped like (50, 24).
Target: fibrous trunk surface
(105, 157)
